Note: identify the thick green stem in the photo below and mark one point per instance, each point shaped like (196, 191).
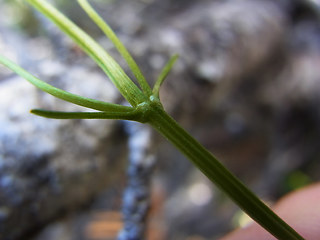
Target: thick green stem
(218, 174)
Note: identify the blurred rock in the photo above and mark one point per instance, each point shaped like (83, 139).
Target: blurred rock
(294, 98)
(48, 167)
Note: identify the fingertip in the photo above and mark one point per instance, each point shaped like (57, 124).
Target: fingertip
(300, 209)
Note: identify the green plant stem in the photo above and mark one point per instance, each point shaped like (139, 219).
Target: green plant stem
(147, 108)
(218, 174)
(118, 44)
(164, 73)
(112, 69)
(69, 97)
(130, 115)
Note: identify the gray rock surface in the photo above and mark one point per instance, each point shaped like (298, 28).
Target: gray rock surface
(48, 167)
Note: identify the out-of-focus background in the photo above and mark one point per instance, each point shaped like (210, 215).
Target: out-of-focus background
(246, 85)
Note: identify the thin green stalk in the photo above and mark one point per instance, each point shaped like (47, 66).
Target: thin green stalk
(116, 74)
(70, 97)
(163, 74)
(219, 175)
(130, 115)
(118, 44)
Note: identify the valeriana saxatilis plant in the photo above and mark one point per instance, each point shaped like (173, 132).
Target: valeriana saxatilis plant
(145, 108)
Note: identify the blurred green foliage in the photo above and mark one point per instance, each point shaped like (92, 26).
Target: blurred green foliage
(296, 180)
(19, 15)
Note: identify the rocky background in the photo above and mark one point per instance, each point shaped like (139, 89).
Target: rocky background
(246, 85)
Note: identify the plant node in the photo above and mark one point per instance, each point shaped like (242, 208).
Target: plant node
(147, 108)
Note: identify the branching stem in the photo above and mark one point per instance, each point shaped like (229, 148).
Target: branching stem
(146, 108)
(219, 175)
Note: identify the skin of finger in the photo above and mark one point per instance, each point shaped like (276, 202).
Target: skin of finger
(300, 209)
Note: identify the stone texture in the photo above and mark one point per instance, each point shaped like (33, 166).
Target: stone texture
(48, 167)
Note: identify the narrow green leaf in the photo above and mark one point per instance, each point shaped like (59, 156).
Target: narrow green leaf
(164, 73)
(70, 97)
(131, 115)
(118, 44)
(116, 74)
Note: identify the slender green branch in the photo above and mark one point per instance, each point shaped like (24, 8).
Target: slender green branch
(164, 73)
(148, 109)
(116, 74)
(118, 44)
(70, 97)
(131, 115)
(219, 175)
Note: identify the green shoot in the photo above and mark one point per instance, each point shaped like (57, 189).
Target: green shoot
(130, 115)
(146, 108)
(116, 74)
(69, 97)
(164, 73)
(118, 44)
